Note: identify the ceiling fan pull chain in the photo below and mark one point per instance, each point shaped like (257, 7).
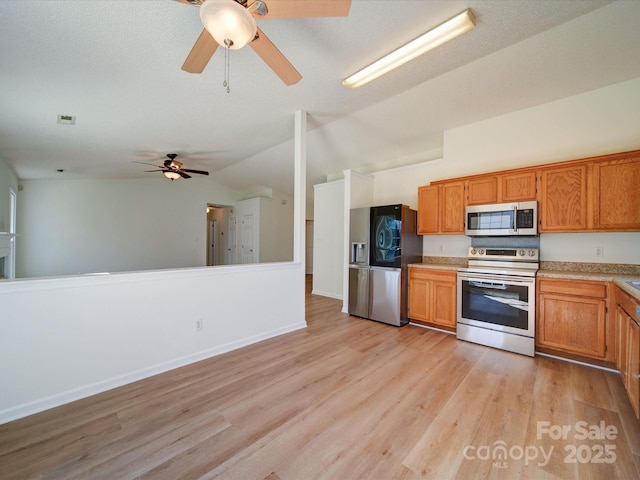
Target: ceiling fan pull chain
(227, 44)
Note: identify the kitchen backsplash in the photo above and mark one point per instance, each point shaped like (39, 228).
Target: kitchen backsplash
(506, 242)
(460, 261)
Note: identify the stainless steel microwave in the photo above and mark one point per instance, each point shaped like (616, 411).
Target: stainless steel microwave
(501, 219)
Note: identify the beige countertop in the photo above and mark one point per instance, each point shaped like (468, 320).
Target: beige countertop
(618, 274)
(436, 266)
(618, 279)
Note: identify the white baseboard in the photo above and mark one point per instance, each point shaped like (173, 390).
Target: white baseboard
(84, 391)
(326, 294)
(432, 328)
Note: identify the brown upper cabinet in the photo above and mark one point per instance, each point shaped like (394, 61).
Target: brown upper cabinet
(502, 188)
(452, 207)
(591, 194)
(562, 205)
(518, 186)
(441, 208)
(428, 209)
(616, 194)
(482, 190)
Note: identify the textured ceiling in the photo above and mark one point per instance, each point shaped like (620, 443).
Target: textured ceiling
(116, 66)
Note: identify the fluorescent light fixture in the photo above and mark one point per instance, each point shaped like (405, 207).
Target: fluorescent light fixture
(435, 37)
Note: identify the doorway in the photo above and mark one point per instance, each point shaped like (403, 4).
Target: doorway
(220, 235)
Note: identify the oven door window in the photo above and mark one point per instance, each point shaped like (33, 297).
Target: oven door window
(497, 303)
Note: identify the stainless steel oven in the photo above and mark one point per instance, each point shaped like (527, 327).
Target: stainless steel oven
(496, 298)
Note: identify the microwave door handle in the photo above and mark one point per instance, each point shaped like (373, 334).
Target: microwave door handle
(515, 218)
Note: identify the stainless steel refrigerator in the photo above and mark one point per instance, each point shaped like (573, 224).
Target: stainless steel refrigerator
(382, 242)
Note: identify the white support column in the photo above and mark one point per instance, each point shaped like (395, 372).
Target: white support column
(300, 186)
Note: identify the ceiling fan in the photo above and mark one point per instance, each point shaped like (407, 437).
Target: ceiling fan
(172, 168)
(244, 29)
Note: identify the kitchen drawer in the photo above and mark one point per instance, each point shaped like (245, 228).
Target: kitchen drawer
(594, 289)
(421, 273)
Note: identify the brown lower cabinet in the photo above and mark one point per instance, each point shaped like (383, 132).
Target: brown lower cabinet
(432, 297)
(572, 319)
(628, 346)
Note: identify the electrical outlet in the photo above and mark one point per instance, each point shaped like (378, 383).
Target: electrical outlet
(599, 251)
(198, 326)
(441, 248)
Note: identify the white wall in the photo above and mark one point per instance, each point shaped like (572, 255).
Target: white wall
(78, 226)
(276, 228)
(359, 189)
(602, 121)
(400, 185)
(65, 338)
(273, 227)
(328, 239)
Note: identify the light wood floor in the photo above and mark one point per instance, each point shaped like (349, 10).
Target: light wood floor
(345, 398)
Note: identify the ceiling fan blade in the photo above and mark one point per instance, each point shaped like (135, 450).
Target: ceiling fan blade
(146, 163)
(275, 59)
(306, 8)
(183, 175)
(190, 3)
(149, 171)
(199, 172)
(200, 54)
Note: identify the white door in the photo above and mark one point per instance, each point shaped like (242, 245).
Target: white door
(248, 250)
(309, 248)
(10, 261)
(231, 241)
(213, 242)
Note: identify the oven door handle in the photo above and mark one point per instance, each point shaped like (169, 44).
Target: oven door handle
(493, 285)
(496, 279)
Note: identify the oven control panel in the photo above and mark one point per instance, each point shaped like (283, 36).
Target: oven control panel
(513, 254)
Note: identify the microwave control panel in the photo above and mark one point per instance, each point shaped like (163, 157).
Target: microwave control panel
(517, 254)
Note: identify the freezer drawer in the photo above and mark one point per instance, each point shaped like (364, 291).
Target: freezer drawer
(359, 291)
(385, 285)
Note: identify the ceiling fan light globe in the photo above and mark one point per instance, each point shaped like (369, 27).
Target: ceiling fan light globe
(229, 23)
(172, 175)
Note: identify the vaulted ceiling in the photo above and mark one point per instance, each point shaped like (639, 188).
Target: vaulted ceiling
(115, 65)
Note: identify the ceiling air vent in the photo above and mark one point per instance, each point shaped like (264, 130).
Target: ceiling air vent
(67, 119)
